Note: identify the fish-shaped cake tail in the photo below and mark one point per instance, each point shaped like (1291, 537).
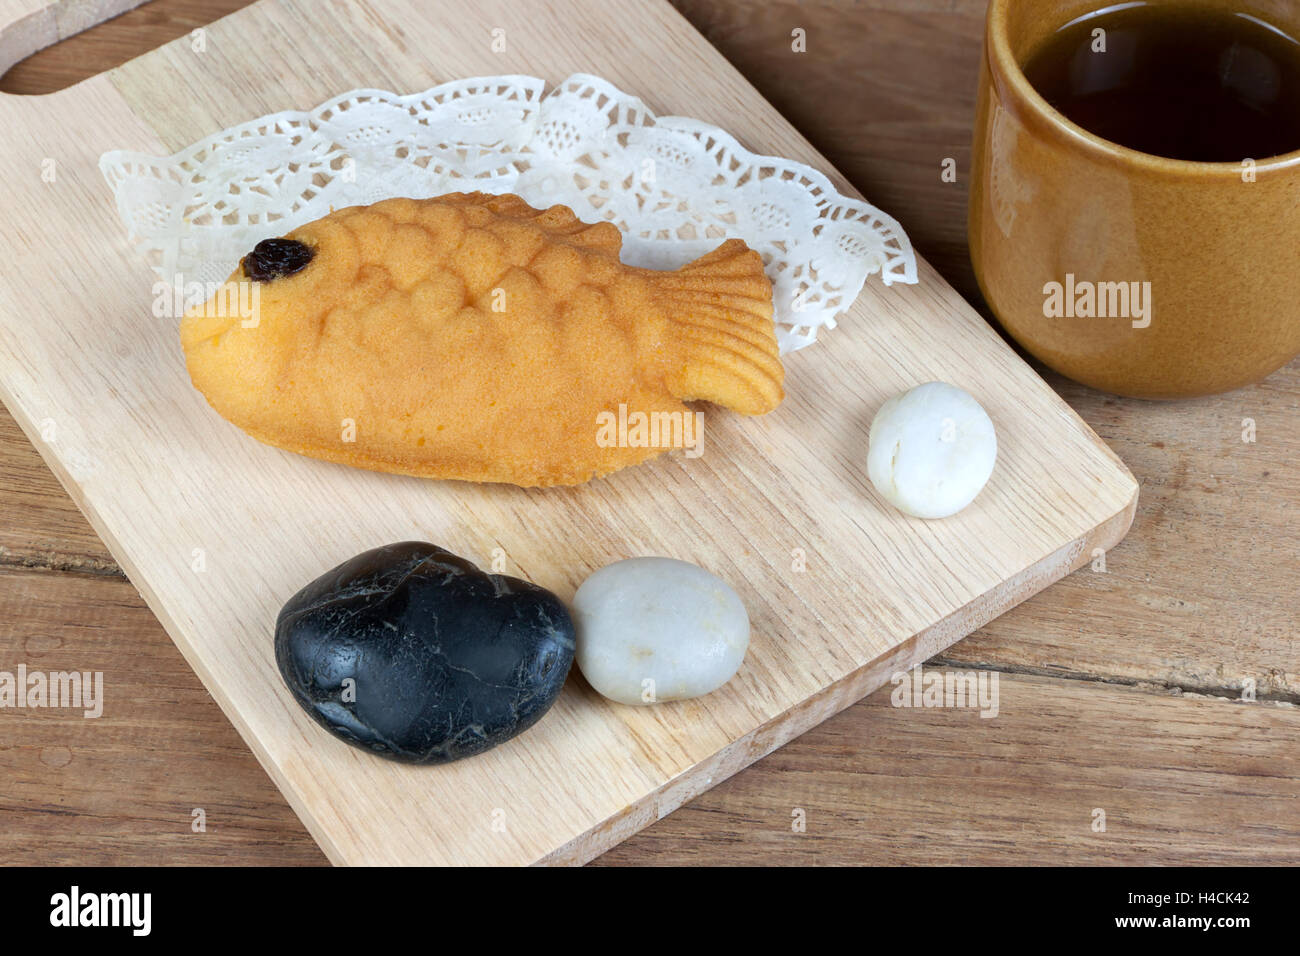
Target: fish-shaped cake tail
(722, 305)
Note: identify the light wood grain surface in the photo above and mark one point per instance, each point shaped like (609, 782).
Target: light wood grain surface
(216, 531)
(1111, 681)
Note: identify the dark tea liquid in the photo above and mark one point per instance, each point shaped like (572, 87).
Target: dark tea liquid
(1183, 83)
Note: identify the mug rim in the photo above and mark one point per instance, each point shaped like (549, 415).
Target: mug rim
(1005, 68)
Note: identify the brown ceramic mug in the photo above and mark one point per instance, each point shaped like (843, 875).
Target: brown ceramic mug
(1053, 205)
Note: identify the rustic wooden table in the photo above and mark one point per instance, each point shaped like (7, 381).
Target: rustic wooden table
(1157, 694)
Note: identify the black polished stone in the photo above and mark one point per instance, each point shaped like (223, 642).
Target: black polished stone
(447, 660)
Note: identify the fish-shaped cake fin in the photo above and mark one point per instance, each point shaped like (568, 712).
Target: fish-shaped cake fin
(722, 304)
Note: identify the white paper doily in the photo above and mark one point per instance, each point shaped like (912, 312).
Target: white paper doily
(676, 187)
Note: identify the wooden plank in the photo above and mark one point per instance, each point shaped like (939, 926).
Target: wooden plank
(41, 527)
(1201, 594)
(35, 24)
(160, 477)
(123, 787)
(1200, 597)
(1182, 778)
(1209, 497)
(1049, 628)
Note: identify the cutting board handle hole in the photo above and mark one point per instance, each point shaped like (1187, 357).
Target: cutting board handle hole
(61, 22)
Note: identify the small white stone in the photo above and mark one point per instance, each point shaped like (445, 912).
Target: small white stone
(657, 629)
(931, 450)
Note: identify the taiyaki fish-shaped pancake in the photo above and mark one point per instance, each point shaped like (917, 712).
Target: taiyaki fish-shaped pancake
(474, 337)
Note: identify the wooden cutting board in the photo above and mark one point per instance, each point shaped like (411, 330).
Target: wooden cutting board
(217, 530)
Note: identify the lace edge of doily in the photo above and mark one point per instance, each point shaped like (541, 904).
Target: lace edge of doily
(900, 259)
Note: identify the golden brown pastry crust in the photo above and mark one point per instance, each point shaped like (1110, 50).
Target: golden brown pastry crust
(474, 337)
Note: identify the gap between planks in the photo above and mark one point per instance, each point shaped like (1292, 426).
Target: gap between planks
(105, 569)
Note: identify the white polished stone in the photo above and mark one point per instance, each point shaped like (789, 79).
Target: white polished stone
(931, 450)
(658, 629)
